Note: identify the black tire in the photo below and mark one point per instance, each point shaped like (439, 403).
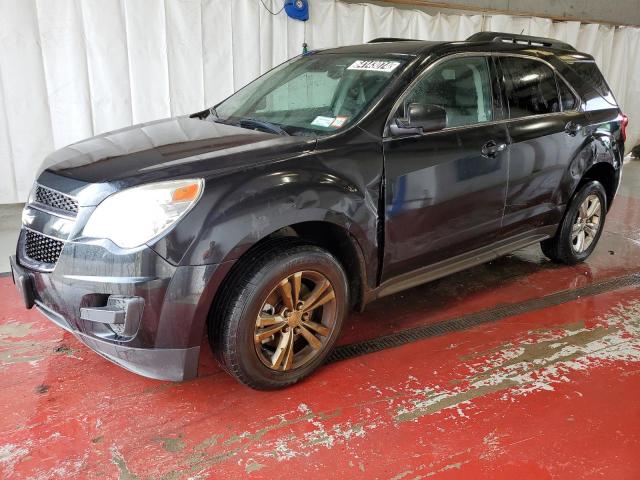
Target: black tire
(232, 325)
(560, 248)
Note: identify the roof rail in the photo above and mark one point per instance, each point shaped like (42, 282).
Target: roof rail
(385, 39)
(519, 40)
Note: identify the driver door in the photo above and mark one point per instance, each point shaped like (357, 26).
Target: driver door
(445, 190)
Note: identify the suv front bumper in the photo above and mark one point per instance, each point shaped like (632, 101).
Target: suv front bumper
(164, 343)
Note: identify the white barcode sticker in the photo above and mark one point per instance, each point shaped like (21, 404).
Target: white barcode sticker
(321, 121)
(386, 66)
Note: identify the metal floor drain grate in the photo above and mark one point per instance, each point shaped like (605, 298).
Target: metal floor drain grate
(403, 337)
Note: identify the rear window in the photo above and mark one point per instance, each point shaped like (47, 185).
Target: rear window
(530, 87)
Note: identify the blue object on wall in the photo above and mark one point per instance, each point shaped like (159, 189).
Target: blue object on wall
(297, 9)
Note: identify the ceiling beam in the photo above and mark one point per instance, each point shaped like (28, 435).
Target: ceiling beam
(490, 11)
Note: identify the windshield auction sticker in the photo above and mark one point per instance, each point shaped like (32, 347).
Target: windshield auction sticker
(321, 121)
(339, 121)
(374, 65)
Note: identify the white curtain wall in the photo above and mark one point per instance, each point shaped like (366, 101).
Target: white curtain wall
(70, 69)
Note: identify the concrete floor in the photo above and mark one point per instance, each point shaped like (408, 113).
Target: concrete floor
(544, 384)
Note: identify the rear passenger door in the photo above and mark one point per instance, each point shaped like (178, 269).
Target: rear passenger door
(545, 128)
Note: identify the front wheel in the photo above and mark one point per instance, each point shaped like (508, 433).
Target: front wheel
(581, 226)
(281, 314)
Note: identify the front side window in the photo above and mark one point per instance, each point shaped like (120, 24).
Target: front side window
(530, 87)
(461, 86)
(319, 93)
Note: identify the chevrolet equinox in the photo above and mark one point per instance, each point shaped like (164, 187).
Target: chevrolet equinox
(334, 179)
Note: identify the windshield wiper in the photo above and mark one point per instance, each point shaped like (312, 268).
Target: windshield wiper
(215, 118)
(254, 122)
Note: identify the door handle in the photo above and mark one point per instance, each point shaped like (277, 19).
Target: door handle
(491, 148)
(572, 128)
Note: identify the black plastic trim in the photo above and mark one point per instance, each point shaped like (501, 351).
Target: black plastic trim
(463, 261)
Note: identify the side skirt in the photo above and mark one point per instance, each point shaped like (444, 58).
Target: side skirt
(460, 262)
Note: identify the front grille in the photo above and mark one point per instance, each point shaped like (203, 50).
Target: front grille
(54, 199)
(41, 248)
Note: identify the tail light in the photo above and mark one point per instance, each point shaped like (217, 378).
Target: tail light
(623, 127)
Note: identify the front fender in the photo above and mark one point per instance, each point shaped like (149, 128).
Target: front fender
(251, 205)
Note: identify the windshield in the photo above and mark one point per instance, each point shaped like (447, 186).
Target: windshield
(310, 94)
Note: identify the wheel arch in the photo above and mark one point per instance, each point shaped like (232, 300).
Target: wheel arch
(597, 160)
(333, 237)
(604, 173)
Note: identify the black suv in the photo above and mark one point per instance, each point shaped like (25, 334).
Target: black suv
(336, 178)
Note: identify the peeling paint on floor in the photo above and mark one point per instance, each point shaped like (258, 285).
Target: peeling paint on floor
(537, 362)
(9, 455)
(118, 460)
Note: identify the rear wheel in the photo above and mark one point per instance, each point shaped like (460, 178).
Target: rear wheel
(581, 227)
(281, 314)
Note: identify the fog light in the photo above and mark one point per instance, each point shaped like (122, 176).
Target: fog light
(121, 314)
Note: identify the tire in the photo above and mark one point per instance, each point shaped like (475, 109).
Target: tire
(564, 247)
(236, 321)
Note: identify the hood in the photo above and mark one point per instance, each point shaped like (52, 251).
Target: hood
(169, 148)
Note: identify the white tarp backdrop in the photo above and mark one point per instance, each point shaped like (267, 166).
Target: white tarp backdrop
(70, 69)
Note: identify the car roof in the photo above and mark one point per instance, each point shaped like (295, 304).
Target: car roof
(487, 41)
(392, 47)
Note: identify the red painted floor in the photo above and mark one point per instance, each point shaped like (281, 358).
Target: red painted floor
(549, 394)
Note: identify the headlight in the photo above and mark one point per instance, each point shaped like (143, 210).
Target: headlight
(134, 216)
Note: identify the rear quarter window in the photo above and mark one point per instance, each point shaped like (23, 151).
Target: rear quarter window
(593, 80)
(590, 73)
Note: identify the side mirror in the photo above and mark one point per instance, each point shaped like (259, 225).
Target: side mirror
(420, 118)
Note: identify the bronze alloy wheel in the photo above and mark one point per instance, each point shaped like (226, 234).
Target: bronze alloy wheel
(587, 224)
(296, 321)
(581, 227)
(280, 313)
